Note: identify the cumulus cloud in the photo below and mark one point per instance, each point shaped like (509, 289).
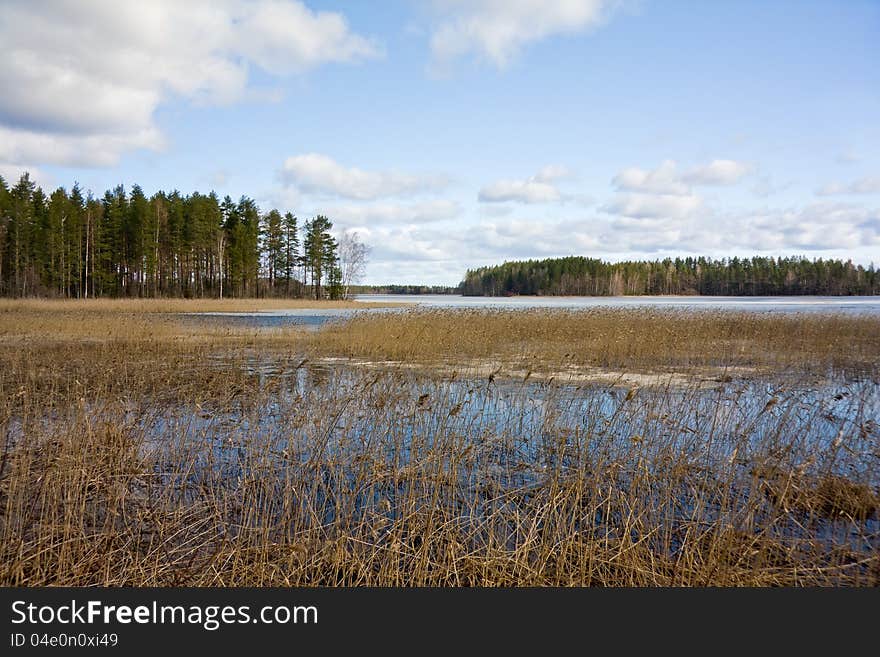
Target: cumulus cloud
(12, 173)
(28, 148)
(552, 172)
(869, 185)
(666, 178)
(812, 229)
(82, 80)
(665, 192)
(662, 180)
(421, 212)
(285, 36)
(717, 172)
(652, 206)
(409, 253)
(521, 191)
(495, 210)
(521, 238)
(408, 244)
(499, 29)
(539, 188)
(816, 227)
(320, 174)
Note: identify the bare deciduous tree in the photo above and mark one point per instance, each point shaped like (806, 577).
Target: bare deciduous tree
(353, 255)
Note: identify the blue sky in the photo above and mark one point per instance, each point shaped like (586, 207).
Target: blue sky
(451, 134)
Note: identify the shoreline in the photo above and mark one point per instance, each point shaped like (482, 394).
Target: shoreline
(187, 305)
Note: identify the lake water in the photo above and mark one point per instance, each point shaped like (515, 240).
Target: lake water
(310, 317)
(513, 441)
(778, 304)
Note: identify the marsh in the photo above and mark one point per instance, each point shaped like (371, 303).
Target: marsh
(452, 447)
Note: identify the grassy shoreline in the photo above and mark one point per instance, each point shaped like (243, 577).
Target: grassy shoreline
(174, 305)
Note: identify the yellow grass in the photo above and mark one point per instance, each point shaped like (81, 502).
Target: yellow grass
(177, 305)
(615, 339)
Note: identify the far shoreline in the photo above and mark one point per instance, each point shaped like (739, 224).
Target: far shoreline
(624, 296)
(182, 305)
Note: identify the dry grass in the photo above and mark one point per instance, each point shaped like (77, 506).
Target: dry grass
(208, 458)
(828, 496)
(146, 321)
(630, 339)
(176, 305)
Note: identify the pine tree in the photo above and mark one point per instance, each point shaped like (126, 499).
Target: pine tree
(319, 251)
(20, 237)
(291, 250)
(273, 246)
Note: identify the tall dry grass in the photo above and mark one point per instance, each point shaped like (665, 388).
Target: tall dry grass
(225, 459)
(173, 305)
(651, 339)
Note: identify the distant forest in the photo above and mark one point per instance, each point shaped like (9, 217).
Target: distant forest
(579, 276)
(405, 289)
(125, 244)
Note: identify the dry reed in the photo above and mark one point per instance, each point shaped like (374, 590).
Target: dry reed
(217, 457)
(646, 339)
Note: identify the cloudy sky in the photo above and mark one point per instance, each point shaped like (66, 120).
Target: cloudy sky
(456, 133)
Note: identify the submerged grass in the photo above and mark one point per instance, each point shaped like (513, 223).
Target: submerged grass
(143, 451)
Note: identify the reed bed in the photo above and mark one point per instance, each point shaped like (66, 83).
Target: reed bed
(629, 339)
(176, 305)
(229, 458)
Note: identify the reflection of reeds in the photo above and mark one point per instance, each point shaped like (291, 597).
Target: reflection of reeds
(158, 454)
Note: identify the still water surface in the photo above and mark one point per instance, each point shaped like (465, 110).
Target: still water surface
(316, 317)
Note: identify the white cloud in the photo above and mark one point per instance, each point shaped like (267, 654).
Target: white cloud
(662, 180)
(866, 186)
(812, 229)
(652, 206)
(405, 245)
(430, 254)
(535, 189)
(33, 147)
(552, 172)
(11, 173)
(284, 37)
(521, 238)
(499, 29)
(82, 80)
(319, 174)
(421, 212)
(666, 178)
(816, 227)
(717, 172)
(521, 191)
(869, 185)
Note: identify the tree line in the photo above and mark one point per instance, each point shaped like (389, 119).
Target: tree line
(73, 244)
(406, 288)
(758, 276)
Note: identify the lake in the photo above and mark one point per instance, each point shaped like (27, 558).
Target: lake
(778, 304)
(315, 317)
